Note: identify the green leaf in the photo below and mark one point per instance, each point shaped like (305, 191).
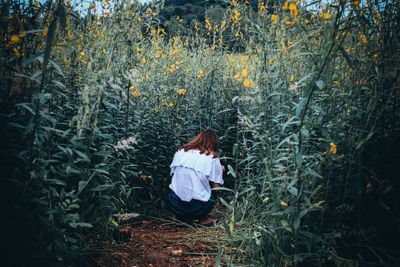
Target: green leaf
(319, 84)
(296, 223)
(235, 149)
(299, 160)
(83, 155)
(225, 203)
(231, 171)
(27, 107)
(304, 133)
(293, 191)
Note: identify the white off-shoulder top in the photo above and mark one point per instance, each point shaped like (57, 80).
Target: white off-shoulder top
(191, 173)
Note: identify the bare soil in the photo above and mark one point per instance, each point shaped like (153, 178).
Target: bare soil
(151, 243)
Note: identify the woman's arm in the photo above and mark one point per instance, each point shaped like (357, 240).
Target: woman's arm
(215, 185)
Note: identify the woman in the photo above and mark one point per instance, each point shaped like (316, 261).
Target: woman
(196, 169)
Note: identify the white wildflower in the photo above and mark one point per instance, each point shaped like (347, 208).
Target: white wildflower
(127, 143)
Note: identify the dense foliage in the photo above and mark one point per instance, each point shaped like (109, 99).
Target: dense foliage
(305, 96)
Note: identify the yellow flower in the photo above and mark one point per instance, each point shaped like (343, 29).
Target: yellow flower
(171, 68)
(363, 39)
(274, 18)
(326, 16)
(82, 54)
(45, 32)
(138, 50)
(285, 6)
(239, 34)
(262, 8)
(208, 24)
(293, 10)
(169, 104)
(247, 83)
(135, 94)
(70, 34)
(15, 39)
(336, 83)
(144, 60)
(17, 52)
(200, 73)
(332, 148)
(375, 57)
(234, 3)
(283, 204)
(377, 16)
(175, 41)
(289, 23)
(236, 16)
(238, 77)
(181, 92)
(244, 72)
(223, 25)
(356, 2)
(271, 61)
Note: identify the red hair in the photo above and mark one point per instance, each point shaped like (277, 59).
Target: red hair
(206, 142)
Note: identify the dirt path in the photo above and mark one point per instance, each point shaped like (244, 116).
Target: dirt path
(152, 243)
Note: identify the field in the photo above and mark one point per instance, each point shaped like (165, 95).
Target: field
(97, 96)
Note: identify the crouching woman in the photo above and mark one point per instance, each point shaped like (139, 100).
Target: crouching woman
(196, 169)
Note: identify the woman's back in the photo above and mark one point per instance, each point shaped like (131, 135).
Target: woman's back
(192, 173)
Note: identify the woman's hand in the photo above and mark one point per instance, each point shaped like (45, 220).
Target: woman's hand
(215, 185)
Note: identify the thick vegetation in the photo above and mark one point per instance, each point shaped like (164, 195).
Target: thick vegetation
(305, 96)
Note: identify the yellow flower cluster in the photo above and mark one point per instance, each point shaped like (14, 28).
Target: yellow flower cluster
(332, 148)
(171, 68)
(289, 23)
(201, 74)
(181, 92)
(285, 6)
(262, 8)
(17, 52)
(274, 18)
(15, 39)
(375, 57)
(293, 10)
(235, 16)
(135, 93)
(169, 104)
(81, 57)
(243, 76)
(363, 39)
(175, 41)
(325, 16)
(336, 83)
(208, 24)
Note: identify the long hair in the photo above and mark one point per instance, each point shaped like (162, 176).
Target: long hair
(206, 142)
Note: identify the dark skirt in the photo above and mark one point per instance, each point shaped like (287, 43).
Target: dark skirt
(192, 210)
